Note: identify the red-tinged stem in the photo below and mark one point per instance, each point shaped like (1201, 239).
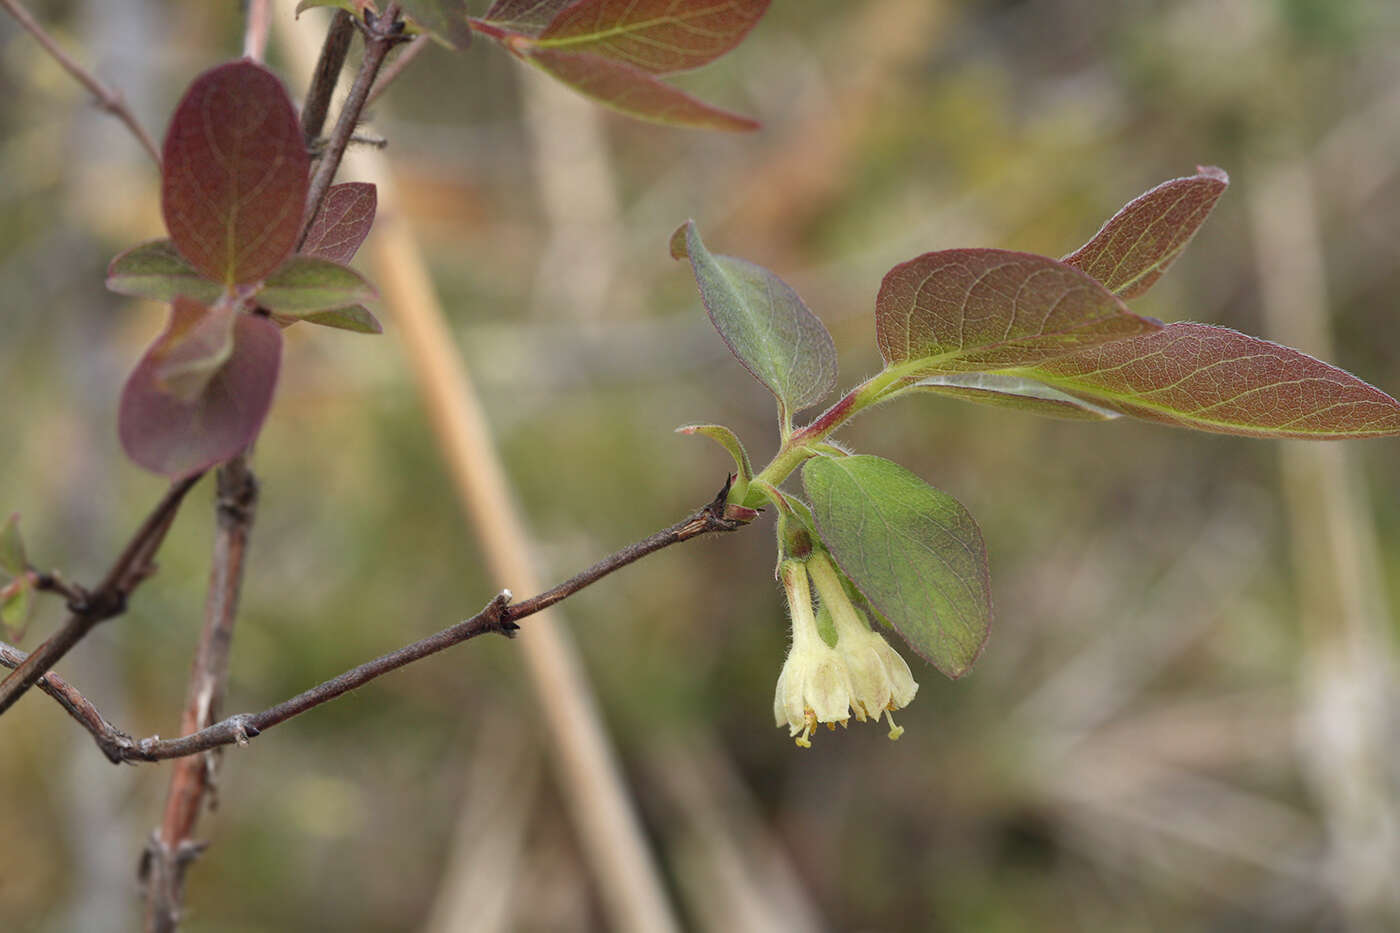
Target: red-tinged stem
(487, 29)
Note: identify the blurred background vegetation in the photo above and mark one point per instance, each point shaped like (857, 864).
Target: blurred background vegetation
(1183, 720)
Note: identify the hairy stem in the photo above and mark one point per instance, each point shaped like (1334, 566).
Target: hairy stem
(107, 98)
(327, 73)
(380, 36)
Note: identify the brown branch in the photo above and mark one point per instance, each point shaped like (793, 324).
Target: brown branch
(396, 67)
(172, 849)
(381, 34)
(107, 98)
(115, 744)
(327, 73)
(500, 615)
(133, 565)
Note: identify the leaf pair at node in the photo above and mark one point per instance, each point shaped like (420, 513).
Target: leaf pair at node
(234, 182)
(1008, 328)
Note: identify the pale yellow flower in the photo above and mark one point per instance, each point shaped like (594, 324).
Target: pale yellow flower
(815, 685)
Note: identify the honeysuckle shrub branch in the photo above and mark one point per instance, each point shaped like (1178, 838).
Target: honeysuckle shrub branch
(887, 551)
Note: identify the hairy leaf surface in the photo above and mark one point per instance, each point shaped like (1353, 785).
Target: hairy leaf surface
(912, 550)
(763, 321)
(632, 91)
(342, 222)
(179, 438)
(656, 36)
(234, 175)
(305, 284)
(1215, 379)
(967, 310)
(156, 270)
(1138, 243)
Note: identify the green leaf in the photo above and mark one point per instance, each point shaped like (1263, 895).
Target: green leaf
(1216, 379)
(730, 442)
(1013, 392)
(764, 322)
(16, 604)
(655, 36)
(354, 318)
(306, 284)
(970, 310)
(155, 270)
(1138, 243)
(234, 174)
(630, 90)
(13, 560)
(913, 551)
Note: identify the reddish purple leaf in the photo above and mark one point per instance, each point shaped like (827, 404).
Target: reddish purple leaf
(342, 223)
(527, 17)
(1139, 242)
(178, 438)
(656, 36)
(196, 345)
(966, 310)
(1215, 379)
(234, 177)
(634, 92)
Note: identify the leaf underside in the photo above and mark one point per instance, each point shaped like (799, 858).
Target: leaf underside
(969, 310)
(630, 90)
(912, 550)
(1137, 244)
(764, 322)
(356, 318)
(1014, 392)
(234, 176)
(306, 284)
(179, 438)
(527, 17)
(155, 270)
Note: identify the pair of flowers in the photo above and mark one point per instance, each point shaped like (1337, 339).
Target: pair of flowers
(826, 679)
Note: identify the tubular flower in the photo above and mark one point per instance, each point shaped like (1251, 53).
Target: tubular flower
(815, 685)
(880, 679)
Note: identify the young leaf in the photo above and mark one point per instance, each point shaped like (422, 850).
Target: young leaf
(16, 604)
(354, 318)
(632, 91)
(304, 284)
(967, 310)
(526, 17)
(1216, 379)
(764, 322)
(12, 557)
(444, 20)
(656, 36)
(1013, 392)
(155, 270)
(179, 438)
(730, 442)
(1137, 244)
(913, 551)
(234, 175)
(198, 342)
(342, 223)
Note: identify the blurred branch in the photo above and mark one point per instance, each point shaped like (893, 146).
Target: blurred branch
(326, 74)
(132, 566)
(112, 741)
(255, 29)
(108, 99)
(500, 615)
(171, 849)
(381, 34)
